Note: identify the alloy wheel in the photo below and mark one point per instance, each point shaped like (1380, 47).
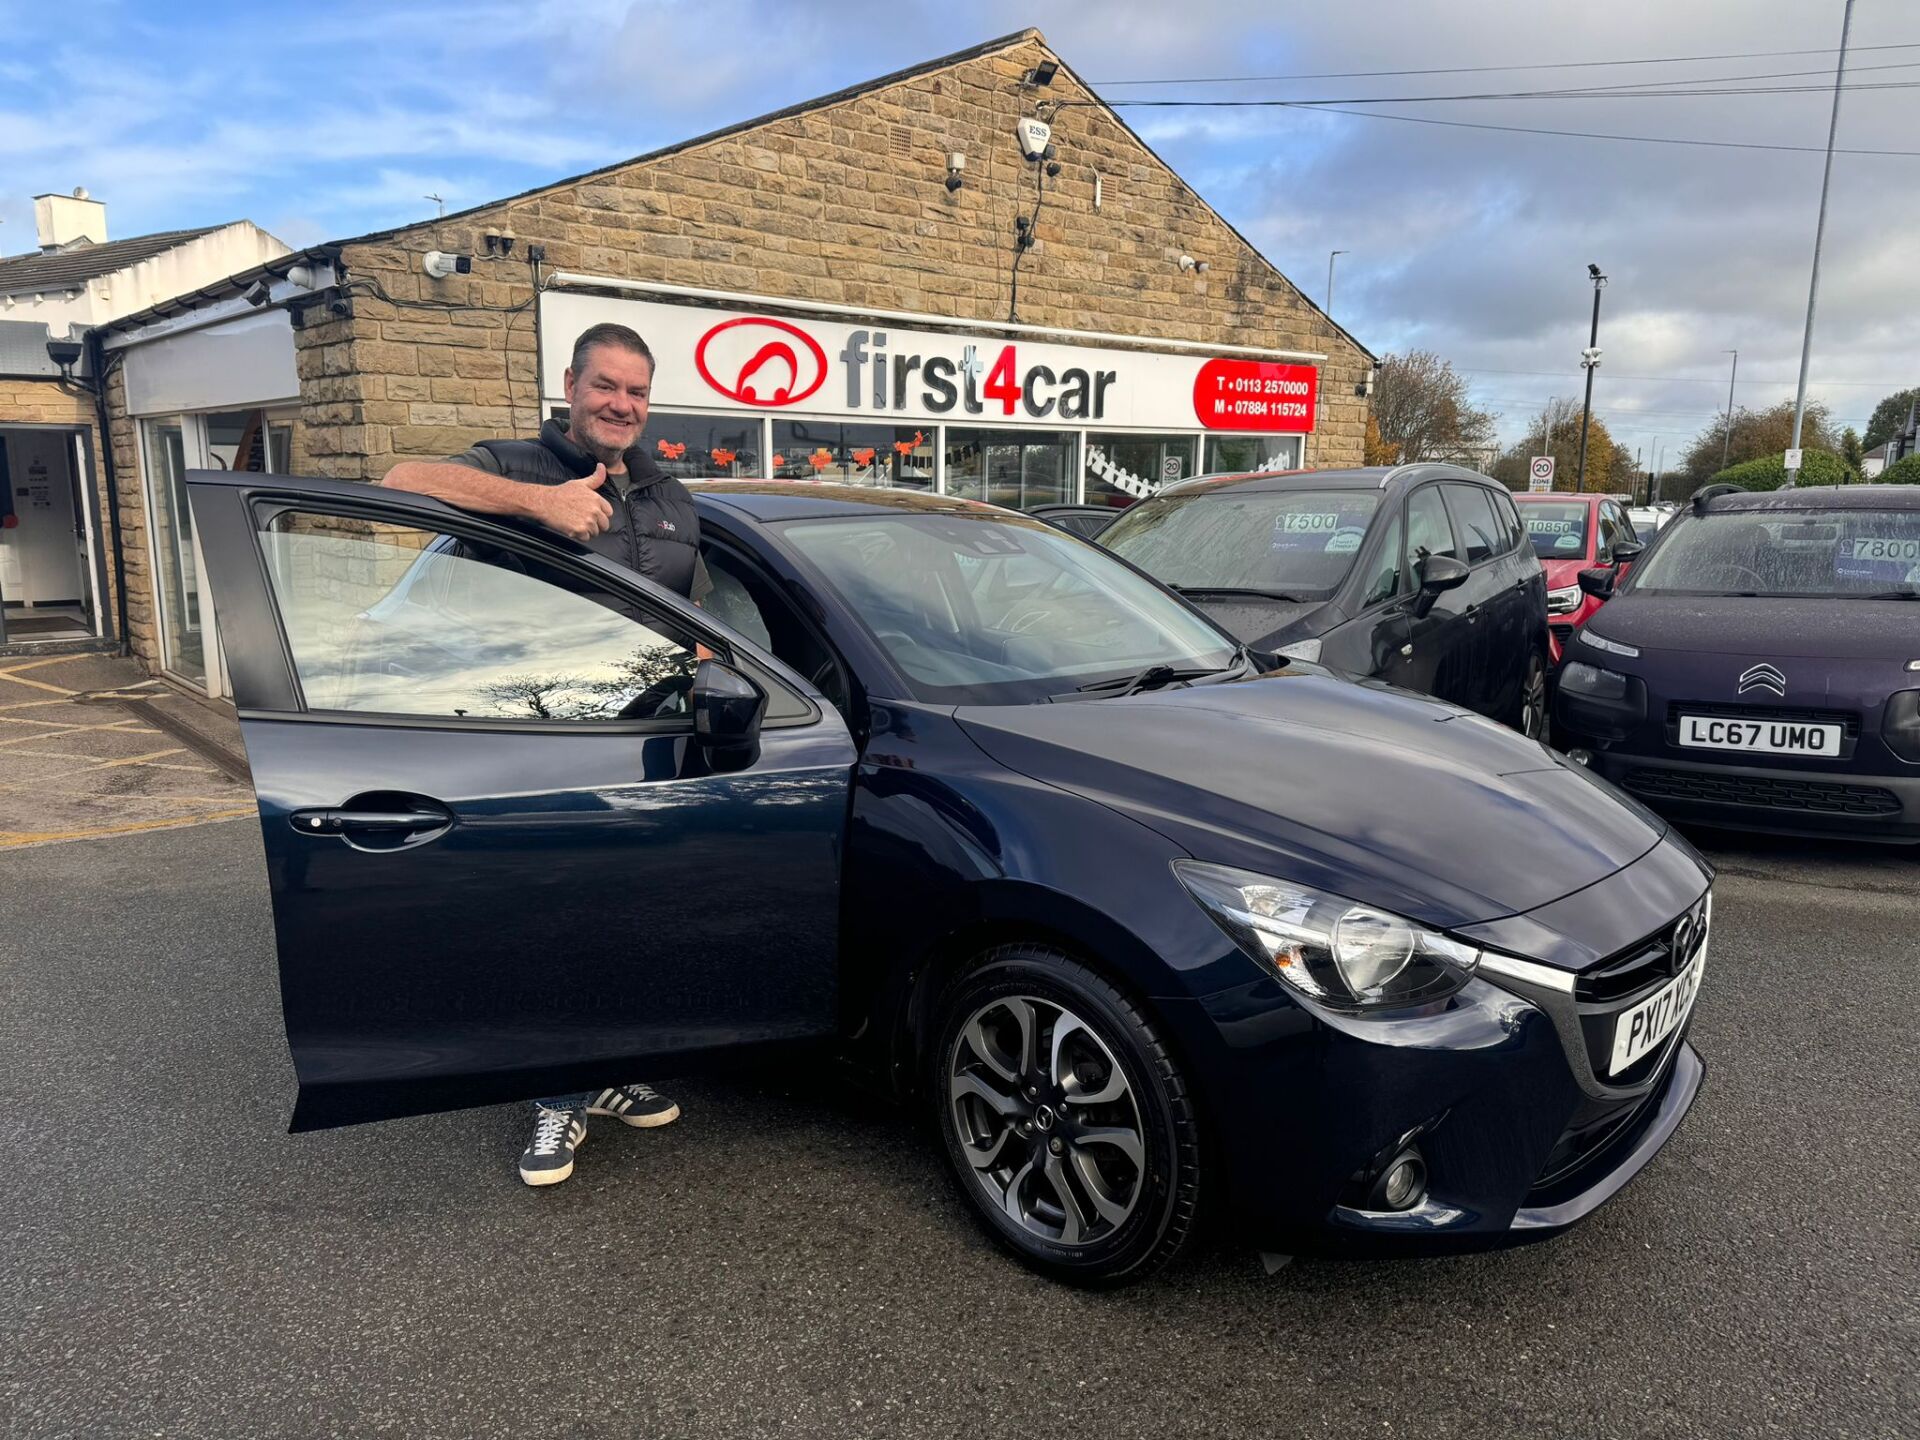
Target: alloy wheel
(1533, 703)
(1047, 1120)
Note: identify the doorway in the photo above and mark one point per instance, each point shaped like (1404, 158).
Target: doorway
(49, 555)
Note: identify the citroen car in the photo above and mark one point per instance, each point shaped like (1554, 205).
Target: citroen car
(1760, 669)
(1572, 533)
(1142, 921)
(1418, 575)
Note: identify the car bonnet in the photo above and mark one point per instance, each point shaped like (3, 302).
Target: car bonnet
(1811, 628)
(1382, 796)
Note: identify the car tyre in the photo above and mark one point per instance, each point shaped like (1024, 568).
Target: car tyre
(1535, 720)
(1065, 1118)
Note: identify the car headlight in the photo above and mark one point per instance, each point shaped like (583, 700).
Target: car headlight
(1580, 678)
(1327, 947)
(1612, 647)
(1563, 601)
(1307, 650)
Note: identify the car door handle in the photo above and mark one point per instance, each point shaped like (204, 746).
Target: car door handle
(373, 823)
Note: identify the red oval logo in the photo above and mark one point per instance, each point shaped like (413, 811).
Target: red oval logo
(761, 361)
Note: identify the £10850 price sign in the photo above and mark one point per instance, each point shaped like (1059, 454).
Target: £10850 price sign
(1256, 395)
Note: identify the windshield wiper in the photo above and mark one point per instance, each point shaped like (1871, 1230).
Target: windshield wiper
(1156, 676)
(1231, 590)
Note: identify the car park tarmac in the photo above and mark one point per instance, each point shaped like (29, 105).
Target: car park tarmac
(790, 1256)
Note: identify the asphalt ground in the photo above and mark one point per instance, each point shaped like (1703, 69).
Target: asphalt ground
(789, 1257)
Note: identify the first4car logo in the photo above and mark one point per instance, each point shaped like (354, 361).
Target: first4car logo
(1763, 677)
(760, 361)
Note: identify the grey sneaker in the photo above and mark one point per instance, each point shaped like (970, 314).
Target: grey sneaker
(641, 1106)
(557, 1133)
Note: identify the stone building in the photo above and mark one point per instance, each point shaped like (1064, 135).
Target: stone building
(824, 300)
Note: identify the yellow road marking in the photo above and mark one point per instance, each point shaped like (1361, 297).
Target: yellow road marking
(139, 759)
(65, 730)
(36, 664)
(13, 839)
(33, 704)
(36, 684)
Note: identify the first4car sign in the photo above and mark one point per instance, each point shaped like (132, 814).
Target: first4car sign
(716, 359)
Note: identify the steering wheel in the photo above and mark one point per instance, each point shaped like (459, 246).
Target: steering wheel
(1759, 581)
(663, 697)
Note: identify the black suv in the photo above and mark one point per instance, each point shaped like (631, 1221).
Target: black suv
(1418, 575)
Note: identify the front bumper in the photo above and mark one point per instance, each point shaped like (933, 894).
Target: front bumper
(1500, 1087)
(1772, 798)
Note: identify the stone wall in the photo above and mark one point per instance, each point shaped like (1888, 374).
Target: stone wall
(845, 203)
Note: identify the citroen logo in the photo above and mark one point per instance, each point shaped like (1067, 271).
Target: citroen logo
(1763, 677)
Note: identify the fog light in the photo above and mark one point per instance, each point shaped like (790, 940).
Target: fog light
(1403, 1184)
(1580, 757)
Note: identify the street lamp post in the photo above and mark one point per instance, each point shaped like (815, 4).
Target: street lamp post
(1727, 440)
(1330, 258)
(1819, 233)
(1590, 361)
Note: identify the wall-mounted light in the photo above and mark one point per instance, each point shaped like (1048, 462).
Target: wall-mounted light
(1198, 267)
(1042, 74)
(258, 294)
(956, 166)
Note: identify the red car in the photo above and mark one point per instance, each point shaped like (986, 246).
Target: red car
(1571, 533)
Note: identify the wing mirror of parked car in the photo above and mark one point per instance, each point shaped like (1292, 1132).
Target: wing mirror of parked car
(1625, 550)
(1437, 573)
(727, 709)
(1597, 583)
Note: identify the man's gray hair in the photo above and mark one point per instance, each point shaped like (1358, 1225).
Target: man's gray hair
(608, 333)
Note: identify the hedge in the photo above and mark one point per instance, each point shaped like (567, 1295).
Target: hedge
(1769, 472)
(1907, 472)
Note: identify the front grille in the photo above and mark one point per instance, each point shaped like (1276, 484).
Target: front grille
(1658, 958)
(1764, 793)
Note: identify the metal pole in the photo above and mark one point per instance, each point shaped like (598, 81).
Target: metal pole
(1727, 440)
(1591, 364)
(1330, 255)
(1819, 234)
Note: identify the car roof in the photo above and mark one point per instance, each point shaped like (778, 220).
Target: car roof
(1369, 477)
(773, 500)
(1819, 497)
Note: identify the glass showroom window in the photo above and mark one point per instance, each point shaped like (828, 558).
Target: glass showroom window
(704, 447)
(176, 564)
(1242, 454)
(853, 454)
(1015, 468)
(1124, 468)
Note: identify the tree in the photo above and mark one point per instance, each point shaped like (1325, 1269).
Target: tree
(1756, 434)
(1890, 416)
(1374, 450)
(1421, 410)
(1609, 464)
(1853, 452)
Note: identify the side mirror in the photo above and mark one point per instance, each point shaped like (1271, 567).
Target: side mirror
(727, 709)
(1438, 573)
(1597, 583)
(1625, 550)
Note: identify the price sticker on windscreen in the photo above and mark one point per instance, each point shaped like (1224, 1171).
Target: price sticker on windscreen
(1539, 526)
(1886, 547)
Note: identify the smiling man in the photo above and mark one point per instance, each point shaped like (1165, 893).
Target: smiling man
(592, 480)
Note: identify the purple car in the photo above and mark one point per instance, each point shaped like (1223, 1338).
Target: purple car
(1760, 669)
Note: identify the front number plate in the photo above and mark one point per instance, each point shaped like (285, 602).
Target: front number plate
(1642, 1028)
(1774, 737)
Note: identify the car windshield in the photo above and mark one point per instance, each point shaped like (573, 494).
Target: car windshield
(1299, 544)
(1558, 528)
(1833, 553)
(991, 609)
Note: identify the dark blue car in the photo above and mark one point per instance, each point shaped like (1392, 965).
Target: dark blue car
(1760, 668)
(970, 801)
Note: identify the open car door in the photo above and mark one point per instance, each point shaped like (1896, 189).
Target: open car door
(522, 838)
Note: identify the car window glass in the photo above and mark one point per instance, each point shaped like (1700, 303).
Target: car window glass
(396, 620)
(1558, 528)
(751, 603)
(1609, 531)
(1292, 542)
(991, 609)
(1385, 579)
(1516, 533)
(1623, 522)
(1474, 524)
(1427, 526)
(1810, 553)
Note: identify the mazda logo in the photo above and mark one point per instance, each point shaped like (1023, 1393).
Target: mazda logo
(760, 361)
(1763, 677)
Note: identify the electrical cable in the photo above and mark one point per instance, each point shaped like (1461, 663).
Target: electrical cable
(1025, 238)
(1492, 69)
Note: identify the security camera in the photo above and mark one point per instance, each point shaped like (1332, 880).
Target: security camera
(258, 294)
(1033, 136)
(440, 265)
(956, 167)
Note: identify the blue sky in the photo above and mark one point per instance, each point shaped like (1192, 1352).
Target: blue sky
(323, 122)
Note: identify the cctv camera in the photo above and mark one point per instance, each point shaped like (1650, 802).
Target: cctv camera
(1033, 136)
(439, 265)
(258, 294)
